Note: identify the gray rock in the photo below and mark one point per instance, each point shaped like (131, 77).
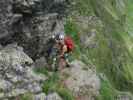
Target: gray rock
(34, 88)
(5, 18)
(16, 92)
(19, 69)
(29, 24)
(21, 23)
(53, 96)
(37, 31)
(88, 26)
(23, 6)
(31, 75)
(40, 96)
(124, 96)
(82, 81)
(11, 56)
(16, 18)
(16, 79)
(5, 86)
(88, 39)
(59, 1)
(17, 74)
(40, 63)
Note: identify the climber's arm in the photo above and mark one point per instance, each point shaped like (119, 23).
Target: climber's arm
(64, 50)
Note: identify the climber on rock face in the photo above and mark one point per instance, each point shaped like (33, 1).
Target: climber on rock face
(64, 44)
(62, 52)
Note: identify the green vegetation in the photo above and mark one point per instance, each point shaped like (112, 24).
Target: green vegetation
(113, 55)
(65, 93)
(27, 96)
(118, 62)
(107, 92)
(96, 56)
(42, 71)
(71, 29)
(54, 84)
(51, 83)
(82, 7)
(129, 24)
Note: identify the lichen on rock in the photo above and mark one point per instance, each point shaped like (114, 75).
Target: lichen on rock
(17, 76)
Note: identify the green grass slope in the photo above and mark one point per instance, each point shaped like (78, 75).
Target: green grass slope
(119, 62)
(113, 56)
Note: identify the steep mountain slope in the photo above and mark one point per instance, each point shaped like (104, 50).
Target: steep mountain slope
(110, 49)
(114, 15)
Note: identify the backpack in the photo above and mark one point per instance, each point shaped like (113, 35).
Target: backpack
(69, 43)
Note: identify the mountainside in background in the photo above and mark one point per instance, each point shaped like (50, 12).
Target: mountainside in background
(105, 29)
(116, 17)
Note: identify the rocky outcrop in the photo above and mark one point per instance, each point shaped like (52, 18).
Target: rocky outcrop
(30, 23)
(35, 32)
(82, 81)
(16, 75)
(5, 18)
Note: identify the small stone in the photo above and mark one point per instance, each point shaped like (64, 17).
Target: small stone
(16, 92)
(40, 96)
(36, 88)
(53, 96)
(5, 85)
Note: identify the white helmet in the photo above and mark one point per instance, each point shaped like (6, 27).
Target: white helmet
(61, 36)
(53, 36)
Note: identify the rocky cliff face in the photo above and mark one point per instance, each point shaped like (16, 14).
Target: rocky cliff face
(82, 81)
(30, 23)
(16, 74)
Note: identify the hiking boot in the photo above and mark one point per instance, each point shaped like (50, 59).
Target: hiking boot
(68, 65)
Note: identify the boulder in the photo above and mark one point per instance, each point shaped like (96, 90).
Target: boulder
(30, 23)
(16, 74)
(33, 33)
(82, 81)
(53, 96)
(40, 96)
